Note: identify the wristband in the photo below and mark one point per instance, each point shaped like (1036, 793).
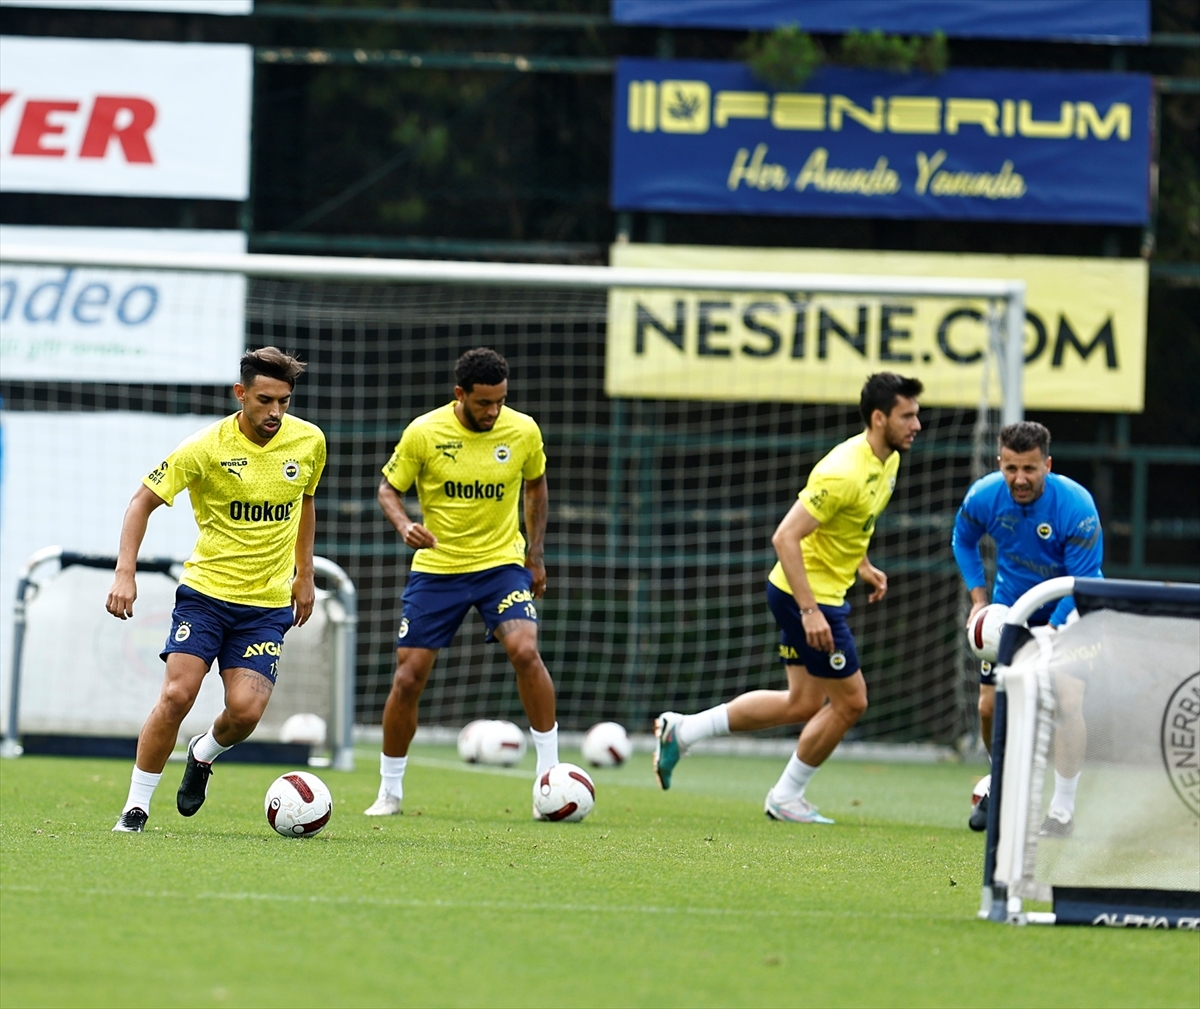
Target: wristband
(805, 613)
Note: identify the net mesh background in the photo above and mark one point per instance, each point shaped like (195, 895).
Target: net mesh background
(658, 544)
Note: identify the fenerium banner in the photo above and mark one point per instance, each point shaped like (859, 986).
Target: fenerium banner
(708, 137)
(1085, 332)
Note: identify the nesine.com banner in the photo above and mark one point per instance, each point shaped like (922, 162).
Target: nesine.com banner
(1076, 20)
(708, 137)
(1085, 331)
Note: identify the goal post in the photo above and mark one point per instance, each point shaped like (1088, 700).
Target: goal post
(1122, 686)
(663, 498)
(79, 682)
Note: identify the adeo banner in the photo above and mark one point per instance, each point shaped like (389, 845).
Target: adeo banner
(1085, 333)
(98, 324)
(125, 118)
(708, 137)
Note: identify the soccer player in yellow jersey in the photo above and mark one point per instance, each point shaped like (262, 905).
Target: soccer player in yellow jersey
(468, 460)
(822, 544)
(251, 479)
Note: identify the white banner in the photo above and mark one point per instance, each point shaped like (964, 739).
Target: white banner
(125, 118)
(168, 6)
(87, 324)
(66, 479)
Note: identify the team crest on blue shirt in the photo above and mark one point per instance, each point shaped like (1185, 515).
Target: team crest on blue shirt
(1044, 530)
(291, 469)
(501, 453)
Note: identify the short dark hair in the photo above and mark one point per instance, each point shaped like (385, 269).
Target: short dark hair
(1024, 436)
(480, 366)
(882, 390)
(272, 362)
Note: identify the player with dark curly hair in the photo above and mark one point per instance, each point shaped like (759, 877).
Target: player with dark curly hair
(468, 460)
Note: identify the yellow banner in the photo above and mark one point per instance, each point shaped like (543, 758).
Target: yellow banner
(1085, 332)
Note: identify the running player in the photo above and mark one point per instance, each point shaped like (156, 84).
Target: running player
(251, 479)
(1044, 526)
(468, 460)
(822, 544)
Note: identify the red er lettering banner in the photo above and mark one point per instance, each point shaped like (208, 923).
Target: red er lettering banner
(124, 118)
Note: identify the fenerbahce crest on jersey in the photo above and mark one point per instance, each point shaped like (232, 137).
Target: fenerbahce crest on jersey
(247, 501)
(469, 486)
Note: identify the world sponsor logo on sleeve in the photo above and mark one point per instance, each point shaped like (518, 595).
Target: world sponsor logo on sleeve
(156, 475)
(1181, 742)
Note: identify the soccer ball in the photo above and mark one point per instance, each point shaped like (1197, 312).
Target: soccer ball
(298, 804)
(982, 787)
(983, 631)
(303, 728)
(500, 743)
(468, 739)
(565, 792)
(607, 745)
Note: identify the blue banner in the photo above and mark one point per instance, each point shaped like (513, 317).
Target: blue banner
(1114, 21)
(708, 137)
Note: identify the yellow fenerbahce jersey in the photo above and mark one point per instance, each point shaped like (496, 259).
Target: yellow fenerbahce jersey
(469, 485)
(247, 500)
(846, 492)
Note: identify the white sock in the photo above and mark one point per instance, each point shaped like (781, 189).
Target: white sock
(141, 789)
(391, 770)
(1064, 793)
(794, 780)
(546, 745)
(207, 749)
(713, 722)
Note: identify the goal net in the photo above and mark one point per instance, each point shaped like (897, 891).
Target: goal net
(664, 489)
(1122, 686)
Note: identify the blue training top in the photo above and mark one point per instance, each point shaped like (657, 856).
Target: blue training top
(1058, 534)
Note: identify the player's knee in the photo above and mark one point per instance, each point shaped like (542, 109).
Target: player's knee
(409, 680)
(176, 700)
(526, 658)
(800, 709)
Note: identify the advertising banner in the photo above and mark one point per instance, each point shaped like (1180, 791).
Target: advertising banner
(165, 6)
(1075, 20)
(125, 118)
(1085, 334)
(102, 325)
(708, 137)
(67, 479)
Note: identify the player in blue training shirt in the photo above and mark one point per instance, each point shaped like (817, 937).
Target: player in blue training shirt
(1044, 526)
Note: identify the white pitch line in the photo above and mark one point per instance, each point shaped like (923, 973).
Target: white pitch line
(472, 905)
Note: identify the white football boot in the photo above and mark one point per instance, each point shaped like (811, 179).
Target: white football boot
(385, 804)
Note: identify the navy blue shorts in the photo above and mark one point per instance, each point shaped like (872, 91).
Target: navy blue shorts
(436, 605)
(794, 649)
(987, 671)
(236, 636)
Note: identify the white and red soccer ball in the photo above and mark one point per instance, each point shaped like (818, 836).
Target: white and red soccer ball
(565, 793)
(607, 744)
(491, 741)
(983, 631)
(298, 804)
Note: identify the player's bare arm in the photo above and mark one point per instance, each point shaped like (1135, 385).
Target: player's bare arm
(304, 590)
(413, 533)
(797, 524)
(979, 599)
(133, 530)
(873, 577)
(537, 508)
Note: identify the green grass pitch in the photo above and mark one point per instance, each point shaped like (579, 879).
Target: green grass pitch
(686, 898)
